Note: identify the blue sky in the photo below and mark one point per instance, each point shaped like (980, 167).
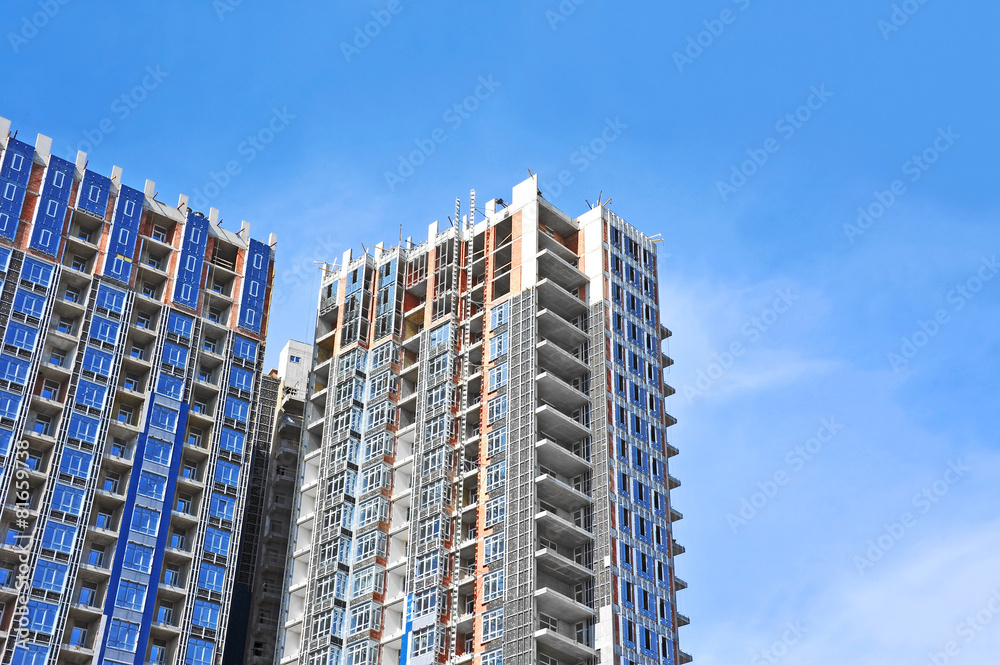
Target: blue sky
(175, 93)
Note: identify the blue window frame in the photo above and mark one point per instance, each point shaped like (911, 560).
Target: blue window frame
(206, 614)
(499, 314)
(245, 348)
(110, 299)
(152, 485)
(171, 386)
(97, 362)
(21, 336)
(241, 378)
(42, 616)
(158, 451)
(58, 536)
(83, 427)
(30, 304)
(91, 394)
(145, 520)
(217, 541)
(175, 355)
(67, 499)
(237, 409)
(131, 595)
(5, 439)
(104, 330)
(163, 417)
(37, 272)
(179, 324)
(138, 557)
(232, 440)
(222, 506)
(13, 369)
(227, 473)
(30, 654)
(123, 635)
(9, 404)
(49, 575)
(199, 652)
(75, 462)
(211, 577)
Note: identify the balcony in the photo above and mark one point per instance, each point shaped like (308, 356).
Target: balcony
(553, 422)
(555, 491)
(553, 358)
(561, 567)
(683, 657)
(558, 393)
(560, 331)
(551, 602)
(558, 529)
(559, 270)
(682, 620)
(563, 646)
(553, 456)
(554, 297)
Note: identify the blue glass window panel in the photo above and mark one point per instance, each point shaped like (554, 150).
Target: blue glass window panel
(5, 439)
(13, 369)
(91, 394)
(94, 192)
(123, 635)
(232, 440)
(241, 378)
(180, 324)
(237, 409)
(58, 536)
(42, 616)
(83, 427)
(31, 304)
(175, 355)
(67, 499)
(97, 362)
(30, 654)
(152, 485)
(49, 575)
(4, 259)
(21, 336)
(145, 520)
(163, 418)
(131, 595)
(158, 451)
(227, 473)
(171, 386)
(245, 348)
(217, 541)
(199, 652)
(222, 506)
(206, 614)
(37, 272)
(138, 557)
(9, 404)
(110, 299)
(211, 577)
(104, 330)
(75, 462)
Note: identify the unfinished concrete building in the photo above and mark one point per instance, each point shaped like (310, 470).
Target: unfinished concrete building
(484, 473)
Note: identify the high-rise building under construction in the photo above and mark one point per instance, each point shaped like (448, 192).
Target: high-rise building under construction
(133, 342)
(484, 462)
